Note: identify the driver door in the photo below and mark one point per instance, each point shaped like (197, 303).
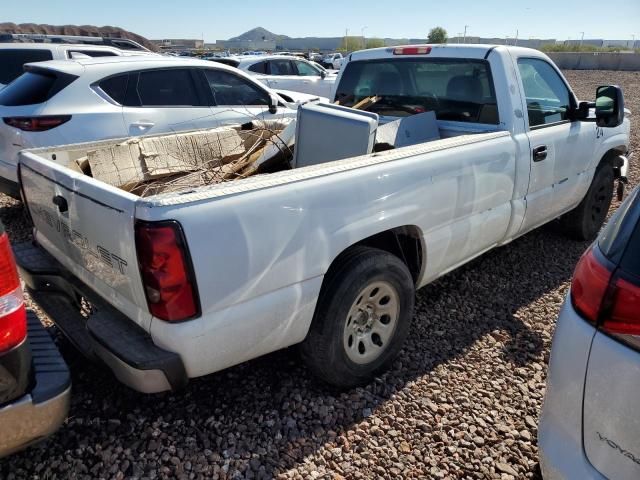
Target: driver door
(560, 148)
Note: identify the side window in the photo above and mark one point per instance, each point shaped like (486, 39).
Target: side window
(260, 67)
(229, 89)
(281, 67)
(548, 98)
(91, 53)
(306, 70)
(167, 88)
(116, 87)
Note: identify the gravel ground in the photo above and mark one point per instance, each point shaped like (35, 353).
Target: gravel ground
(461, 401)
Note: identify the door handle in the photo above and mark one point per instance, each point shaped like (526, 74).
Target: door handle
(540, 153)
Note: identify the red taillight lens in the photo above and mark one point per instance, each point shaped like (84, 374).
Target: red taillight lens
(418, 50)
(605, 298)
(624, 316)
(589, 286)
(36, 124)
(13, 316)
(166, 271)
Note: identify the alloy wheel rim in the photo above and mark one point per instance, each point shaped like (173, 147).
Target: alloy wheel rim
(371, 322)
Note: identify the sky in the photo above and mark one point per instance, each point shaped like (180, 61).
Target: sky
(222, 19)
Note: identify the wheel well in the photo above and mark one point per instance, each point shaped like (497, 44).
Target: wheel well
(403, 242)
(611, 157)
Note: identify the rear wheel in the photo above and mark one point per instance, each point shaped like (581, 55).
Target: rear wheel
(362, 318)
(584, 221)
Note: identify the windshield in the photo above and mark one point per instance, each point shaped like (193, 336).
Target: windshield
(455, 89)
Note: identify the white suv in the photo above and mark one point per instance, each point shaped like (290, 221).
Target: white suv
(13, 56)
(72, 101)
(286, 72)
(589, 428)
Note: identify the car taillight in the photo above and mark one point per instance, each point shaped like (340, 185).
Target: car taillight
(37, 124)
(417, 50)
(166, 270)
(590, 283)
(604, 297)
(13, 316)
(622, 316)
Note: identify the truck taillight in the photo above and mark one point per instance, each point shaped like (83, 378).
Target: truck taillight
(166, 271)
(13, 316)
(605, 298)
(37, 124)
(414, 50)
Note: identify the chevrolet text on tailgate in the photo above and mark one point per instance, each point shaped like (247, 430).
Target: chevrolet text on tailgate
(328, 253)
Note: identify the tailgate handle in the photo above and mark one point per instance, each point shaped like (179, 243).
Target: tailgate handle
(61, 202)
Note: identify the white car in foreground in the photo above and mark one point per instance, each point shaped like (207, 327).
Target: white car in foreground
(287, 72)
(60, 102)
(590, 427)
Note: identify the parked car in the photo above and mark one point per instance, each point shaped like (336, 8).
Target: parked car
(91, 99)
(329, 255)
(13, 56)
(35, 384)
(333, 60)
(286, 72)
(589, 426)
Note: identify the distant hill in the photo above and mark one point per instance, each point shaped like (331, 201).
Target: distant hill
(83, 30)
(259, 34)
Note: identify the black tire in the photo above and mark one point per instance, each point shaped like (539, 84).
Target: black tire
(584, 221)
(324, 350)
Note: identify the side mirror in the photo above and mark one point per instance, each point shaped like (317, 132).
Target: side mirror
(273, 104)
(609, 106)
(323, 74)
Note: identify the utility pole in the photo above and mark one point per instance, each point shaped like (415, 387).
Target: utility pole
(581, 40)
(364, 40)
(346, 40)
(464, 40)
(459, 35)
(516, 43)
(633, 41)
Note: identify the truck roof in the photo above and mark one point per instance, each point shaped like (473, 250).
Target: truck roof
(451, 50)
(123, 63)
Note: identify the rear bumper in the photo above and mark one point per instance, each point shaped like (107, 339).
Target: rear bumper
(38, 414)
(106, 334)
(560, 431)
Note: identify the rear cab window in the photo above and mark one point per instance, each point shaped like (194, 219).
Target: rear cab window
(455, 89)
(13, 60)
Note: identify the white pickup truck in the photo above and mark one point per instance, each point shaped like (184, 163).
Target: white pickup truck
(327, 256)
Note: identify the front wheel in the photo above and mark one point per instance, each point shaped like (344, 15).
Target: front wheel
(362, 318)
(584, 221)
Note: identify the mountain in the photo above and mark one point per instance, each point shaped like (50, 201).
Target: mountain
(259, 34)
(83, 30)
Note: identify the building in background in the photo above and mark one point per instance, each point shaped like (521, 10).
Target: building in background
(179, 44)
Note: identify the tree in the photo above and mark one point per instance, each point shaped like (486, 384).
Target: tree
(375, 42)
(349, 44)
(437, 35)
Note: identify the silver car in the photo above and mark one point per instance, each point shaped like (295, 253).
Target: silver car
(590, 426)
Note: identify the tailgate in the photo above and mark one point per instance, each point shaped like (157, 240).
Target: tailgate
(88, 226)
